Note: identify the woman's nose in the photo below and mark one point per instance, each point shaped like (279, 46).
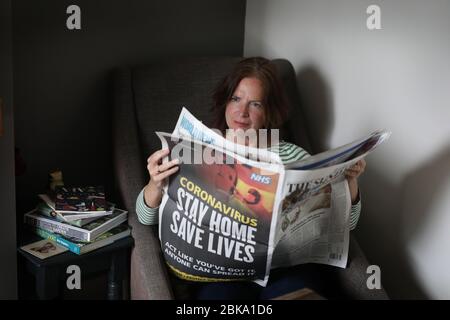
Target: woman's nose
(243, 108)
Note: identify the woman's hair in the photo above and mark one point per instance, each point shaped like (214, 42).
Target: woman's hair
(274, 102)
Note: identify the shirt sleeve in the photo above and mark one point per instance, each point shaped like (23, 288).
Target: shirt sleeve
(354, 214)
(145, 214)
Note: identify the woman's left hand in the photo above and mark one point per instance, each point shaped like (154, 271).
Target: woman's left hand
(356, 170)
(352, 175)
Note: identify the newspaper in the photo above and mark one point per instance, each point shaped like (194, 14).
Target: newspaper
(189, 126)
(217, 220)
(234, 212)
(313, 225)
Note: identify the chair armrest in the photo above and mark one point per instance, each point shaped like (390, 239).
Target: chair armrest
(353, 279)
(149, 277)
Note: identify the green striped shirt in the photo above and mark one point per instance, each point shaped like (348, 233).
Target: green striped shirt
(288, 152)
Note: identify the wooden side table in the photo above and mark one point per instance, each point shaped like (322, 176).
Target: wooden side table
(50, 274)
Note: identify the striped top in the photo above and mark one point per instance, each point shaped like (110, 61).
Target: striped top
(288, 152)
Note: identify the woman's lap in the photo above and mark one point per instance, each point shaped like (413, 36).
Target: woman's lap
(286, 280)
(235, 290)
(281, 281)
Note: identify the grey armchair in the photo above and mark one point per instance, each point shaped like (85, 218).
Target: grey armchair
(149, 98)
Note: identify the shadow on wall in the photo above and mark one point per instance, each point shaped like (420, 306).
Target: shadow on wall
(316, 100)
(380, 233)
(422, 191)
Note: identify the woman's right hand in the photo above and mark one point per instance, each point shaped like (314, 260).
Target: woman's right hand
(159, 172)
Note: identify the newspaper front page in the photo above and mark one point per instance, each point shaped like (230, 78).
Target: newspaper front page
(218, 217)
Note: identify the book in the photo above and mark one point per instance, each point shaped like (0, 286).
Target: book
(79, 247)
(44, 209)
(87, 232)
(44, 249)
(80, 199)
(76, 215)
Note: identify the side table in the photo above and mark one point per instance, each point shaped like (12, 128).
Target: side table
(50, 274)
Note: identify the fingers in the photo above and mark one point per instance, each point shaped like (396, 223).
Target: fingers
(159, 171)
(154, 160)
(160, 177)
(165, 166)
(157, 156)
(352, 174)
(356, 170)
(361, 164)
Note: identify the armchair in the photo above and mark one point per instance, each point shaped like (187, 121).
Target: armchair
(148, 99)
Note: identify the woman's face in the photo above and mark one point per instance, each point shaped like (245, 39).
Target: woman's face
(245, 109)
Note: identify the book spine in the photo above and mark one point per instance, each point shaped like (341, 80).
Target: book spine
(57, 227)
(58, 239)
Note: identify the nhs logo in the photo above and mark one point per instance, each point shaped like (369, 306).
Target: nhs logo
(261, 179)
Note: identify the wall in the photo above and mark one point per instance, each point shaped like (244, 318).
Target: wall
(61, 77)
(352, 81)
(8, 274)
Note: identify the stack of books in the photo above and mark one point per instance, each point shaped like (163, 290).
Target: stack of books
(79, 219)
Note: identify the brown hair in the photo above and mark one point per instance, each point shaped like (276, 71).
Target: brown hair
(274, 102)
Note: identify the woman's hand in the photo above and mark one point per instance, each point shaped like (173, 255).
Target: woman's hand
(159, 172)
(352, 175)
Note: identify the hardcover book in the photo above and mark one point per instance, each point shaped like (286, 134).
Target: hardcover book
(85, 233)
(79, 247)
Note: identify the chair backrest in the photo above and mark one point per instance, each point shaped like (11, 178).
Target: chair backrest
(161, 89)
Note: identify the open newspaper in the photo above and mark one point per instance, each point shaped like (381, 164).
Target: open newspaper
(233, 212)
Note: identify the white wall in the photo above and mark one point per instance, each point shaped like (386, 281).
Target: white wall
(352, 81)
(8, 274)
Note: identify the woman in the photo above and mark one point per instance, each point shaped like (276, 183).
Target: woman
(249, 98)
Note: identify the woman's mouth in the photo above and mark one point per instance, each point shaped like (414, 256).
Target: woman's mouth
(242, 125)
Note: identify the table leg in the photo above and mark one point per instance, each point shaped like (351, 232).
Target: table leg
(47, 283)
(116, 275)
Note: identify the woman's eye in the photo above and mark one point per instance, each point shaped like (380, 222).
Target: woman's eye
(256, 104)
(234, 99)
